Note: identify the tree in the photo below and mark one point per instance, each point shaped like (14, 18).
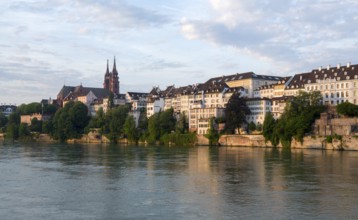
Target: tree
(130, 129)
(49, 109)
(98, 121)
(153, 128)
(36, 125)
(296, 120)
(114, 122)
(12, 128)
(212, 134)
(167, 121)
(347, 109)
(24, 130)
(29, 109)
(70, 121)
(182, 125)
(268, 127)
(3, 121)
(252, 126)
(235, 113)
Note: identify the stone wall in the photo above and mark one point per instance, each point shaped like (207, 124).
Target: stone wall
(348, 142)
(202, 140)
(243, 140)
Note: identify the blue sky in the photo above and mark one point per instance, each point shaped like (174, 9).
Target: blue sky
(45, 44)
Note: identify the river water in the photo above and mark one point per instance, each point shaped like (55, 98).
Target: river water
(157, 182)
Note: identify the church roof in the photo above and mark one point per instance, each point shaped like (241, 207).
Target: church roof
(100, 93)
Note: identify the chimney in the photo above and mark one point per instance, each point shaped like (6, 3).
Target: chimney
(338, 66)
(348, 64)
(320, 68)
(328, 67)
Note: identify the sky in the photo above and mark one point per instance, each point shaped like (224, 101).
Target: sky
(45, 44)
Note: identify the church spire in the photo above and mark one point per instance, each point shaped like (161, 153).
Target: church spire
(107, 71)
(114, 71)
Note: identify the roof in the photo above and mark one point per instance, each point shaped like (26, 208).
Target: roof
(241, 76)
(339, 73)
(71, 91)
(137, 95)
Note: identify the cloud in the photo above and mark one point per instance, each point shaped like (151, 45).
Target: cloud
(282, 32)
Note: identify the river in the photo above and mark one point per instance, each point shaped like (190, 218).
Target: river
(158, 182)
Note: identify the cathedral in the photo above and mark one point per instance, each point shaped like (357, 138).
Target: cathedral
(111, 80)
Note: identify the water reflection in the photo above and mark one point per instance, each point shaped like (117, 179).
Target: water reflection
(111, 181)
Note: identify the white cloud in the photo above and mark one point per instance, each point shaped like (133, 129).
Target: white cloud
(281, 31)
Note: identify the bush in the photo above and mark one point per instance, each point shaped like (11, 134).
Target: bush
(179, 139)
(329, 139)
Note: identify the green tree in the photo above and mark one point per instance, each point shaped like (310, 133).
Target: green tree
(98, 121)
(3, 121)
(235, 112)
(130, 129)
(70, 121)
(269, 127)
(49, 109)
(347, 109)
(12, 127)
(252, 126)
(153, 128)
(167, 122)
(212, 134)
(36, 125)
(182, 125)
(24, 130)
(115, 119)
(296, 120)
(143, 120)
(31, 108)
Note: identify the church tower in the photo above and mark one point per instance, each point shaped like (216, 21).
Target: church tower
(111, 79)
(106, 78)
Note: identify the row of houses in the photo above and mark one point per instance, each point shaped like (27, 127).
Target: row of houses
(202, 101)
(263, 94)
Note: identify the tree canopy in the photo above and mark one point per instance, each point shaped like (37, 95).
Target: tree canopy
(70, 121)
(296, 120)
(347, 109)
(235, 112)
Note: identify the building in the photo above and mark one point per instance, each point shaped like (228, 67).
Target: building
(258, 108)
(138, 100)
(86, 95)
(111, 79)
(249, 81)
(155, 101)
(26, 119)
(7, 109)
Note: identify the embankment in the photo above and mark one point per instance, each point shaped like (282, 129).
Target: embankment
(347, 143)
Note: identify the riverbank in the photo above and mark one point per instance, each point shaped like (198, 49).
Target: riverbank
(309, 142)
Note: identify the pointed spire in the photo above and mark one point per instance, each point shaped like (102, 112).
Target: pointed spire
(107, 71)
(114, 71)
